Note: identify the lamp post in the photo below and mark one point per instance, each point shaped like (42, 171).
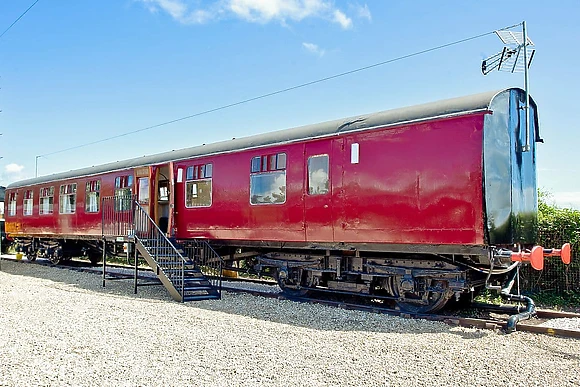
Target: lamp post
(36, 166)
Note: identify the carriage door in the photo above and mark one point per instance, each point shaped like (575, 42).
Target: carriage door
(318, 191)
(143, 188)
(164, 197)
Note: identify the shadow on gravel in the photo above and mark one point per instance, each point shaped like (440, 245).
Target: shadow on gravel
(70, 274)
(275, 310)
(555, 350)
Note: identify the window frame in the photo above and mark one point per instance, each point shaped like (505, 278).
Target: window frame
(28, 203)
(268, 165)
(189, 182)
(46, 193)
(92, 187)
(12, 204)
(123, 185)
(308, 174)
(122, 198)
(64, 196)
(195, 174)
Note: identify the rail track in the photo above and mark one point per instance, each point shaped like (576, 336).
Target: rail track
(495, 316)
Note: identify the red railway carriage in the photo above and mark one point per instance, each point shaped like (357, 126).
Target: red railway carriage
(413, 205)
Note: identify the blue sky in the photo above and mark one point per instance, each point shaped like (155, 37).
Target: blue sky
(76, 72)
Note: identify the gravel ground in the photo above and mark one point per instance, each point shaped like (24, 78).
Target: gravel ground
(61, 327)
(563, 323)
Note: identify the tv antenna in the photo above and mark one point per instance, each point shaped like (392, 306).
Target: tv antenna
(516, 57)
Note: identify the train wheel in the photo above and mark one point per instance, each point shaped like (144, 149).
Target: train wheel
(31, 256)
(289, 287)
(94, 258)
(417, 301)
(56, 257)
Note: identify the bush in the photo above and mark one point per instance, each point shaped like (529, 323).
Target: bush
(556, 226)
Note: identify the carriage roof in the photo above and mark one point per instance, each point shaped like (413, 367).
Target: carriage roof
(433, 110)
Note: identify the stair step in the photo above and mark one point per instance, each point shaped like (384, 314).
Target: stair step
(200, 282)
(194, 278)
(178, 270)
(157, 249)
(181, 268)
(202, 297)
(197, 288)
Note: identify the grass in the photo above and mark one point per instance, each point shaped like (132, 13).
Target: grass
(549, 299)
(557, 300)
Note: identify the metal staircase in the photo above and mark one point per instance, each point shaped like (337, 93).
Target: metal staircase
(180, 272)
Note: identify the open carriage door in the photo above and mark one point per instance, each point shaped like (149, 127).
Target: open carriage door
(163, 194)
(171, 217)
(143, 186)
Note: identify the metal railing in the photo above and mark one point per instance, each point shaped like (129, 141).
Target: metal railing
(165, 254)
(207, 259)
(117, 215)
(125, 217)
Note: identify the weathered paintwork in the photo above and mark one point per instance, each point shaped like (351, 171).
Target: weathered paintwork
(511, 200)
(437, 174)
(418, 183)
(80, 223)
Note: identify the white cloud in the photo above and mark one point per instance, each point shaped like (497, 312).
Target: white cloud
(363, 11)
(12, 172)
(255, 11)
(13, 168)
(342, 19)
(267, 10)
(567, 199)
(313, 48)
(178, 10)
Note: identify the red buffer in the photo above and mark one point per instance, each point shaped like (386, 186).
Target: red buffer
(538, 253)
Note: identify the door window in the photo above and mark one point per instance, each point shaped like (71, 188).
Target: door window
(318, 181)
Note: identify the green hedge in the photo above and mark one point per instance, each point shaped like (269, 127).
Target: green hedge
(556, 227)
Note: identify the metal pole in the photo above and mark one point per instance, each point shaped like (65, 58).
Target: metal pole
(36, 166)
(526, 147)
(136, 265)
(104, 259)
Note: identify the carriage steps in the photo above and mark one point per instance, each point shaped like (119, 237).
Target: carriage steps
(177, 272)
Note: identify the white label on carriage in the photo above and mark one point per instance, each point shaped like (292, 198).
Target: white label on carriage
(179, 175)
(354, 153)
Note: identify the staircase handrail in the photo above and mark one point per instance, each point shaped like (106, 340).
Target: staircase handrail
(158, 235)
(159, 232)
(211, 248)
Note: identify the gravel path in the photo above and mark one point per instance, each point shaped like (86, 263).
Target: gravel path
(62, 328)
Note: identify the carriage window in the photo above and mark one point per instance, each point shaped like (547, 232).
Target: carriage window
(67, 198)
(12, 204)
(124, 181)
(123, 193)
(143, 190)
(46, 200)
(198, 187)
(268, 179)
(163, 190)
(92, 194)
(202, 171)
(318, 183)
(256, 164)
(28, 196)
